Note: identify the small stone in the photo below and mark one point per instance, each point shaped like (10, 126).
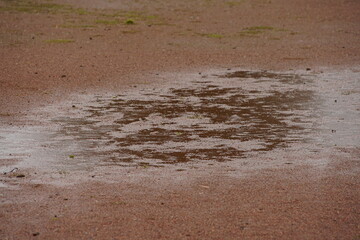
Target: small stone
(36, 234)
(63, 76)
(20, 176)
(308, 69)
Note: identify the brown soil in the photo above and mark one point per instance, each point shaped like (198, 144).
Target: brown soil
(53, 52)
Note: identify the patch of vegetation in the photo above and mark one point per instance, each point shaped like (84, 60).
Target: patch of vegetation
(129, 21)
(256, 30)
(35, 7)
(106, 17)
(259, 28)
(234, 3)
(81, 11)
(59, 41)
(134, 15)
(212, 35)
(107, 22)
(141, 16)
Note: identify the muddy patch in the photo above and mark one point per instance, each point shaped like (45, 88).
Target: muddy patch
(214, 117)
(202, 122)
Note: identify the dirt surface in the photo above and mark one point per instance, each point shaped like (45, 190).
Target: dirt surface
(179, 119)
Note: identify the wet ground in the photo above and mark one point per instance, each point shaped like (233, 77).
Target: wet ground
(207, 117)
(82, 172)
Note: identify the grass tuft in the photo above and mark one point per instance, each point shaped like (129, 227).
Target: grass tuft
(129, 22)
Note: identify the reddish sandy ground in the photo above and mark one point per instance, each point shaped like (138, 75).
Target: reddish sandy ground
(50, 50)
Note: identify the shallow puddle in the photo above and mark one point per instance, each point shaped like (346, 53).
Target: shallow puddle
(215, 117)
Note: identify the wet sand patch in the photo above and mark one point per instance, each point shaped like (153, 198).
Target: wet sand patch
(213, 117)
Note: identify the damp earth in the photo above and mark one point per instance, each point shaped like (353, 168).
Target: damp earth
(214, 117)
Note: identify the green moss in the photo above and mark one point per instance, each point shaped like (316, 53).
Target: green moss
(59, 41)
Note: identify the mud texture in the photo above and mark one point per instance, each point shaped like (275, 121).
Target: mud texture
(195, 119)
(208, 120)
